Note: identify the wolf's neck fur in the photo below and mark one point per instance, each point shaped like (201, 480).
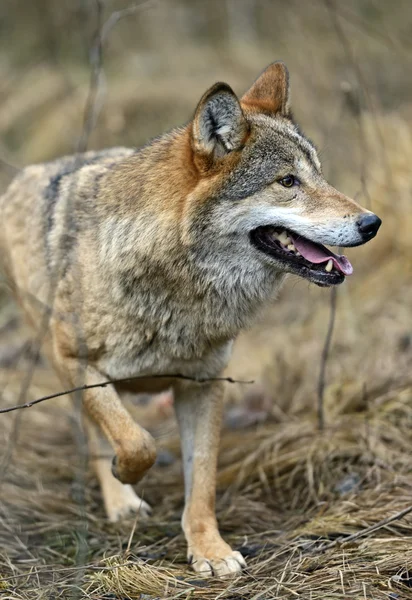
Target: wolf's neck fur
(157, 273)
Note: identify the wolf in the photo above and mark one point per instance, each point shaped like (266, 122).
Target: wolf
(149, 262)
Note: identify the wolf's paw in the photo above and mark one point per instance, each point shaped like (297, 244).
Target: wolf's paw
(133, 460)
(125, 503)
(231, 564)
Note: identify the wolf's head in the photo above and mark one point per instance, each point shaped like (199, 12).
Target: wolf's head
(262, 203)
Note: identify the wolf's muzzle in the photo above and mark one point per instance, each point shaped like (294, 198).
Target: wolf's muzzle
(368, 226)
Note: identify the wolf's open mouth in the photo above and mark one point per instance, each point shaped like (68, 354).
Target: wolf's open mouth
(305, 258)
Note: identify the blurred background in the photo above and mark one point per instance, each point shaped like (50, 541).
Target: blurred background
(142, 69)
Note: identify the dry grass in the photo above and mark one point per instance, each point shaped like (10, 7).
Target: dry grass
(285, 491)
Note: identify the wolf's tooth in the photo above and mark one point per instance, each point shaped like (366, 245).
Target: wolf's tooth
(292, 247)
(329, 265)
(284, 238)
(298, 253)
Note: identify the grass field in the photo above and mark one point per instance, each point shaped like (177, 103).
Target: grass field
(288, 493)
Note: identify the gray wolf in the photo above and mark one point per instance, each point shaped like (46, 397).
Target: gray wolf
(151, 261)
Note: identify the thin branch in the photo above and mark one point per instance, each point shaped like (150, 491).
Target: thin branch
(366, 27)
(341, 541)
(12, 169)
(324, 359)
(96, 61)
(118, 15)
(81, 388)
(101, 35)
(331, 7)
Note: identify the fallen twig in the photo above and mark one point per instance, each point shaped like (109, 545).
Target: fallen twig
(343, 540)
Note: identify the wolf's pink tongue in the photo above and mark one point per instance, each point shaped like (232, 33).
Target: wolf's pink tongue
(316, 253)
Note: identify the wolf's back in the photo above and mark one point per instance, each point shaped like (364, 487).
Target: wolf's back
(36, 212)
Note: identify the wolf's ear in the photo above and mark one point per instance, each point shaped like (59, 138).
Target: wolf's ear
(270, 92)
(219, 125)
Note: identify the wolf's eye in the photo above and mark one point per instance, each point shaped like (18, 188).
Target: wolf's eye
(289, 181)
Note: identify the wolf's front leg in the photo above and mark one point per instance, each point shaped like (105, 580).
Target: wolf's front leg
(199, 413)
(135, 449)
(120, 499)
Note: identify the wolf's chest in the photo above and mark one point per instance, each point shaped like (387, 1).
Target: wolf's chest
(128, 359)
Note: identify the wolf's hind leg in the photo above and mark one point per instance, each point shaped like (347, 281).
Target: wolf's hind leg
(120, 500)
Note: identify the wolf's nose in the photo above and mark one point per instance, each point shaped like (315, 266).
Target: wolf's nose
(368, 226)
